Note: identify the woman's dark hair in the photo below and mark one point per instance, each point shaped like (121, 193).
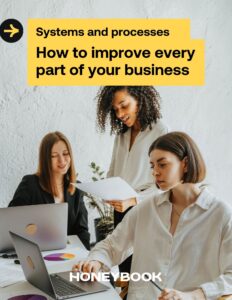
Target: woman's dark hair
(181, 144)
(44, 171)
(148, 107)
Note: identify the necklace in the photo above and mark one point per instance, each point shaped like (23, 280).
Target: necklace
(175, 210)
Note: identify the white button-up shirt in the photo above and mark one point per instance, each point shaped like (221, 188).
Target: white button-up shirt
(198, 255)
(134, 165)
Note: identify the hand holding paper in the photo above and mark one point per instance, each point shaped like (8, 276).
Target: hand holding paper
(120, 205)
(114, 188)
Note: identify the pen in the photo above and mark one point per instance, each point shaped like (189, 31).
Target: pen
(153, 282)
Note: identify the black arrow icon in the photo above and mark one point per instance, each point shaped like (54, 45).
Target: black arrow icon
(11, 30)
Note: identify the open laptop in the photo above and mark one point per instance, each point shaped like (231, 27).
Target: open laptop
(46, 224)
(55, 285)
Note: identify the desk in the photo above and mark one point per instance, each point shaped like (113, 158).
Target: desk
(23, 287)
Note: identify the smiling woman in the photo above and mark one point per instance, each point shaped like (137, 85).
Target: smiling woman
(52, 184)
(134, 113)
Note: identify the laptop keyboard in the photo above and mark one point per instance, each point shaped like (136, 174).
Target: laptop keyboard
(63, 287)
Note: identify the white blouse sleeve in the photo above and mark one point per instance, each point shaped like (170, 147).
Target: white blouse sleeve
(110, 172)
(111, 251)
(150, 189)
(222, 285)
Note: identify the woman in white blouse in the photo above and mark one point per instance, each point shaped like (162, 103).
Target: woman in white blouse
(134, 113)
(184, 233)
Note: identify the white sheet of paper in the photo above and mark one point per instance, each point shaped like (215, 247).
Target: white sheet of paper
(10, 274)
(114, 188)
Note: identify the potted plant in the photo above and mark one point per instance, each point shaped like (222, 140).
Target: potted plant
(105, 223)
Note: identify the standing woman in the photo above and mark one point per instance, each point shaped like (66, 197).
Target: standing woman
(52, 184)
(134, 113)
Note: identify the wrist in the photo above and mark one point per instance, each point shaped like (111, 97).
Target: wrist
(133, 201)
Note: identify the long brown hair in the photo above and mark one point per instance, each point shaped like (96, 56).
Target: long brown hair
(44, 171)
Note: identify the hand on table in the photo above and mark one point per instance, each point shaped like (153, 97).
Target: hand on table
(170, 294)
(123, 205)
(87, 266)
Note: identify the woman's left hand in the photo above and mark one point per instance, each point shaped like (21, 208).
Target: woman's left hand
(123, 205)
(169, 294)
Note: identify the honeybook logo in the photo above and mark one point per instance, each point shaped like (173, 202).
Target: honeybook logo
(105, 276)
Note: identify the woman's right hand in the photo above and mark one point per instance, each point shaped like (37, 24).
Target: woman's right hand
(87, 266)
(123, 205)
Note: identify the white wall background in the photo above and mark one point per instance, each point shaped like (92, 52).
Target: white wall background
(28, 113)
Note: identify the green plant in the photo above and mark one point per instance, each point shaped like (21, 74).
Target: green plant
(105, 210)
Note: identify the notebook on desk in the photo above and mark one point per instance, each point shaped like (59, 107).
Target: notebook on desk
(45, 224)
(55, 285)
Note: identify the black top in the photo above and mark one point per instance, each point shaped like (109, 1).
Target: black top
(30, 192)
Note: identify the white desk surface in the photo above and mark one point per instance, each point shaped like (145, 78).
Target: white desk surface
(24, 288)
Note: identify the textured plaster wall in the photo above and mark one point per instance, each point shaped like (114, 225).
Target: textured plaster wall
(28, 113)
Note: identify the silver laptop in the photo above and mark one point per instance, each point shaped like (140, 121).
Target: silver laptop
(55, 285)
(46, 224)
